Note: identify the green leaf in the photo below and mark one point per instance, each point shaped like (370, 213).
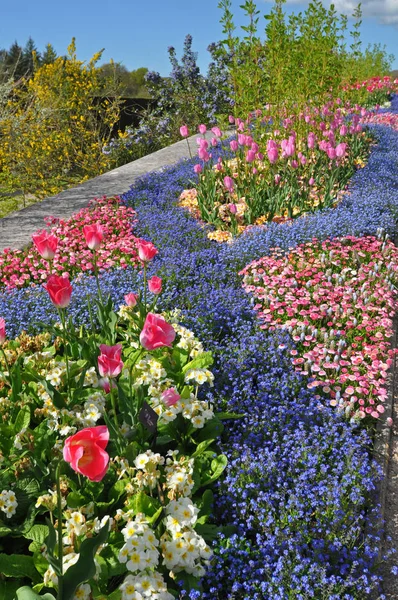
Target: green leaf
(84, 569)
(224, 416)
(38, 534)
(22, 420)
(200, 362)
(51, 542)
(76, 500)
(212, 430)
(18, 565)
(117, 490)
(26, 593)
(218, 465)
(141, 503)
(202, 447)
(205, 506)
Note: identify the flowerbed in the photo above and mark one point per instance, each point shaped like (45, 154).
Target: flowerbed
(276, 173)
(19, 268)
(300, 481)
(337, 299)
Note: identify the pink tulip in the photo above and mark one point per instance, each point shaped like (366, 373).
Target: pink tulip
(234, 145)
(331, 152)
(109, 361)
(343, 130)
(146, 250)
(93, 235)
(250, 156)
(203, 154)
(288, 147)
(184, 131)
(85, 451)
(341, 150)
(46, 244)
(277, 178)
(131, 299)
(202, 129)
(311, 140)
(156, 333)
(170, 397)
(217, 131)
(231, 119)
(202, 143)
(229, 183)
(311, 181)
(294, 164)
(232, 208)
(198, 169)
(2, 330)
(214, 141)
(59, 289)
(254, 147)
(155, 285)
(241, 139)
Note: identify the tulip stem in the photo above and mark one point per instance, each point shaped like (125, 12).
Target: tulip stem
(60, 546)
(63, 322)
(97, 278)
(145, 288)
(113, 401)
(189, 148)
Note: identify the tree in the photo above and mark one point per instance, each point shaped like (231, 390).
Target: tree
(49, 55)
(130, 84)
(29, 59)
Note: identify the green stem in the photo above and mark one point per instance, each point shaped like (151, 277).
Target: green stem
(113, 401)
(63, 322)
(97, 278)
(189, 148)
(60, 546)
(6, 362)
(145, 288)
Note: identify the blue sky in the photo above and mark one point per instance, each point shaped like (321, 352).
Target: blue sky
(138, 32)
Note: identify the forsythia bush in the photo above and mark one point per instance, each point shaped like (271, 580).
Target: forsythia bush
(55, 128)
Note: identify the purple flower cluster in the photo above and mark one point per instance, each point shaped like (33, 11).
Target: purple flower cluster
(300, 484)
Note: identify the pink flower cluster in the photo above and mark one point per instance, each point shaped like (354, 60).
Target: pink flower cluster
(376, 83)
(387, 118)
(337, 300)
(19, 268)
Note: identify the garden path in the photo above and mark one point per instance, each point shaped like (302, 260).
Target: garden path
(16, 229)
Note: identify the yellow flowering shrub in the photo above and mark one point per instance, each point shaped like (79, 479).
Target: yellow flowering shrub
(55, 128)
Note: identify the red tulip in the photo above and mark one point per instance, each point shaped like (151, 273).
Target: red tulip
(59, 289)
(2, 330)
(93, 235)
(156, 333)
(109, 361)
(146, 250)
(85, 451)
(155, 285)
(46, 244)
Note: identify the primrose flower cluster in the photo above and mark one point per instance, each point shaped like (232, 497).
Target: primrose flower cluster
(337, 300)
(276, 174)
(65, 248)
